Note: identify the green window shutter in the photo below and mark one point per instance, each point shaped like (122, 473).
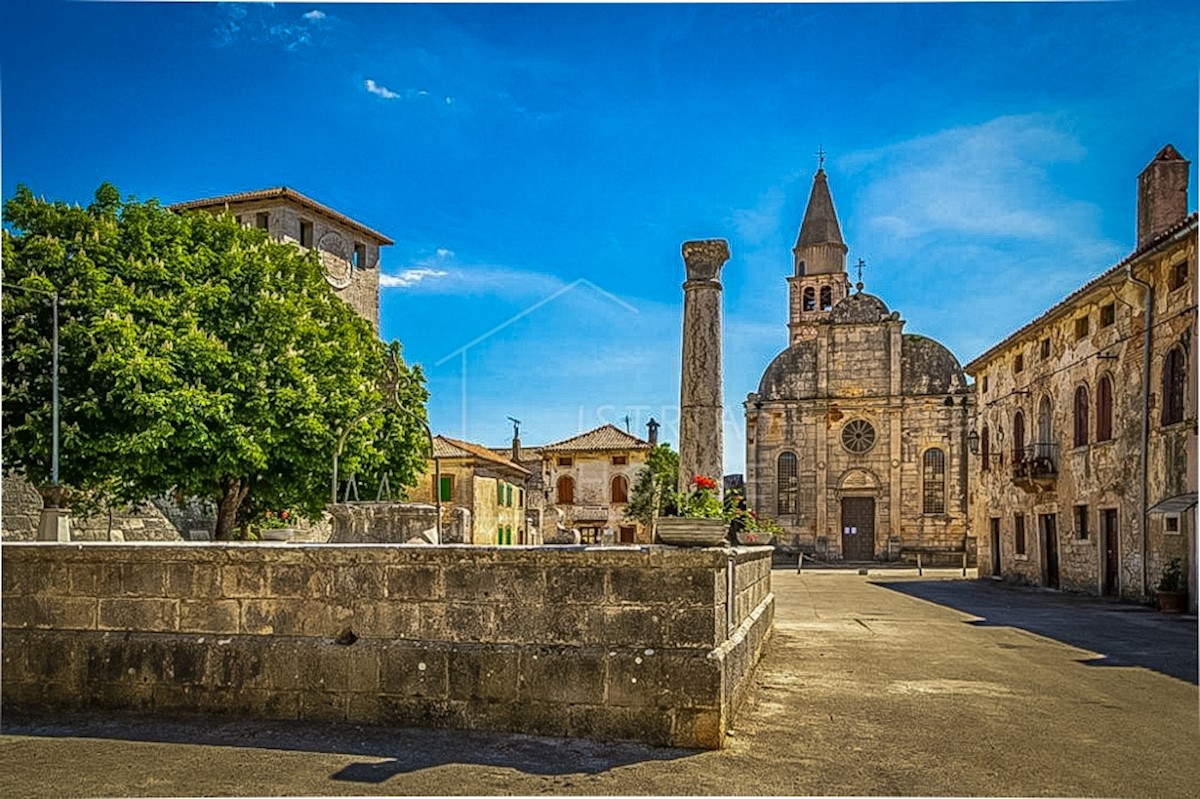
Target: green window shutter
(499, 493)
(446, 484)
(508, 498)
(508, 535)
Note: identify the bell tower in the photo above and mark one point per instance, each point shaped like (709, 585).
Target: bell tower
(819, 279)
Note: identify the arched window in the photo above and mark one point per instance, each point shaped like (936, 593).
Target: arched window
(1081, 416)
(1045, 427)
(1174, 377)
(620, 489)
(810, 299)
(933, 481)
(1018, 437)
(826, 298)
(566, 491)
(985, 449)
(1104, 409)
(786, 484)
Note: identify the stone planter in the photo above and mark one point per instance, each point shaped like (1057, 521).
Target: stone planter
(277, 534)
(684, 532)
(1171, 601)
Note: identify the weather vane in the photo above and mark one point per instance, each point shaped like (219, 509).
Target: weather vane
(516, 427)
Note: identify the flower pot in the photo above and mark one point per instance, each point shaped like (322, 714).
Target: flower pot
(1171, 601)
(277, 534)
(681, 531)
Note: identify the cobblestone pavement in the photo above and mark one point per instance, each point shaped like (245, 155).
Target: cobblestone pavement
(885, 684)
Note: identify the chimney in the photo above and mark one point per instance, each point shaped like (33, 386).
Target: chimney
(516, 448)
(1162, 194)
(652, 432)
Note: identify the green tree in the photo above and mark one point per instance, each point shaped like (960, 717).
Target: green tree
(197, 357)
(654, 486)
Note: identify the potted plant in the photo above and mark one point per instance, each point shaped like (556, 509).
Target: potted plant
(1171, 594)
(699, 518)
(276, 526)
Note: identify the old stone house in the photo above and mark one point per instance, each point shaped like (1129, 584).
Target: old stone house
(856, 439)
(490, 487)
(348, 249)
(583, 483)
(1071, 493)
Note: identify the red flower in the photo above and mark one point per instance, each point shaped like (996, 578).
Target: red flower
(283, 514)
(701, 481)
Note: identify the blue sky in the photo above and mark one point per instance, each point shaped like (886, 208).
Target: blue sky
(540, 166)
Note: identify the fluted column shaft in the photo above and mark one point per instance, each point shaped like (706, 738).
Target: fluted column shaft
(701, 428)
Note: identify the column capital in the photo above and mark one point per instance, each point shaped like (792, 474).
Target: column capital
(705, 258)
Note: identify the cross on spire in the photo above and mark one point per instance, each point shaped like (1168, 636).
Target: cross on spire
(859, 266)
(820, 157)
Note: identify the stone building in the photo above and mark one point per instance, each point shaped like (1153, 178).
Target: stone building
(349, 249)
(490, 487)
(1070, 494)
(583, 483)
(856, 440)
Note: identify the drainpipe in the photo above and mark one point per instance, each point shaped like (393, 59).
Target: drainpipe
(1147, 335)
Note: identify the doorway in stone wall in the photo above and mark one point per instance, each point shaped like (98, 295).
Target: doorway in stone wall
(1049, 530)
(1110, 567)
(858, 528)
(994, 530)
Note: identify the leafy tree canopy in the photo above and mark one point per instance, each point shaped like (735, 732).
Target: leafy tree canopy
(654, 486)
(197, 357)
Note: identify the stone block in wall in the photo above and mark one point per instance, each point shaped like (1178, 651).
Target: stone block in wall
(564, 676)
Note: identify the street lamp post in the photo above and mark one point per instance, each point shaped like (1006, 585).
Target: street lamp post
(55, 523)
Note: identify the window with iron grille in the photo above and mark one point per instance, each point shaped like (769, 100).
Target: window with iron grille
(1081, 522)
(786, 484)
(1019, 534)
(933, 481)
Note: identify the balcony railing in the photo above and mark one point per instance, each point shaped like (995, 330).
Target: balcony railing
(1035, 462)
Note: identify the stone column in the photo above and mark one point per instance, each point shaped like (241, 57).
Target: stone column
(701, 433)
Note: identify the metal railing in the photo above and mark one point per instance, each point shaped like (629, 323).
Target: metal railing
(1035, 460)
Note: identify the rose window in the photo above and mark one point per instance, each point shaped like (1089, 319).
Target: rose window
(858, 436)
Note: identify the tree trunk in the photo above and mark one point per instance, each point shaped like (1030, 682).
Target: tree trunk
(233, 491)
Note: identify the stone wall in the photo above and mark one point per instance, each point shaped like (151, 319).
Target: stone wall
(22, 506)
(648, 644)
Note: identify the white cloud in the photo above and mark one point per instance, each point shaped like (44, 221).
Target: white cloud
(315, 15)
(382, 91)
(982, 180)
(410, 277)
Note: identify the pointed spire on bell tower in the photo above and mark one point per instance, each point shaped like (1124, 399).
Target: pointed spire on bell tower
(820, 248)
(819, 281)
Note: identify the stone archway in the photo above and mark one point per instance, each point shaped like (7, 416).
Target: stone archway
(858, 490)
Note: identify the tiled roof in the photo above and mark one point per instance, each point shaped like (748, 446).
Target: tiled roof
(1071, 298)
(605, 437)
(446, 447)
(280, 193)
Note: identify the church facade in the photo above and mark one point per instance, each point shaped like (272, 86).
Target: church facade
(857, 438)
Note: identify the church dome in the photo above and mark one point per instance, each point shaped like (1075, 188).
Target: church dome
(860, 308)
(792, 375)
(927, 367)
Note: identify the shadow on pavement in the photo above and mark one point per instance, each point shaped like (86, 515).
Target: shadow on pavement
(1122, 635)
(404, 750)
